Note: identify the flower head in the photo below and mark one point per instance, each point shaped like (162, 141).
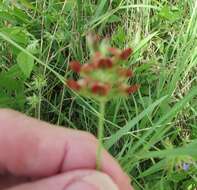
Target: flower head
(74, 85)
(186, 166)
(124, 55)
(75, 66)
(103, 77)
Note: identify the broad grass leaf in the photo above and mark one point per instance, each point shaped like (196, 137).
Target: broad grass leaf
(6, 16)
(17, 34)
(21, 16)
(187, 150)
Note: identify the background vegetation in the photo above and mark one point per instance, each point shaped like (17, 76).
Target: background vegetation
(153, 132)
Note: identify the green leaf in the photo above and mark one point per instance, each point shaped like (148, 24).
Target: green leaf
(154, 169)
(187, 150)
(144, 42)
(100, 8)
(25, 63)
(21, 16)
(12, 102)
(27, 4)
(6, 16)
(168, 14)
(12, 88)
(6, 38)
(17, 34)
(114, 18)
(119, 37)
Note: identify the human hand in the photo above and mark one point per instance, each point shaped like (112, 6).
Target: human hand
(35, 155)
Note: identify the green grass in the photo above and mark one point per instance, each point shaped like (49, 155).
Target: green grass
(153, 132)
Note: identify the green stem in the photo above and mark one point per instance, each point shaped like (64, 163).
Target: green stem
(39, 103)
(100, 135)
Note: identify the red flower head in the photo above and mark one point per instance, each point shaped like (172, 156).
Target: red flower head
(100, 89)
(104, 63)
(124, 55)
(73, 85)
(132, 89)
(126, 72)
(75, 66)
(103, 77)
(87, 68)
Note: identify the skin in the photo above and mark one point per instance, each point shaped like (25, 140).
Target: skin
(37, 155)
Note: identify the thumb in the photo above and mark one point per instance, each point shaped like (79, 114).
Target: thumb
(75, 180)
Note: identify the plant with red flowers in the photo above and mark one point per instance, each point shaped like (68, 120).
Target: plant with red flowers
(102, 79)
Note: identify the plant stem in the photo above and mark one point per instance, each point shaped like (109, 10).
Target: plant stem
(100, 135)
(39, 103)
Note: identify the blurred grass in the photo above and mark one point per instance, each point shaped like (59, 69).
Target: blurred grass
(154, 131)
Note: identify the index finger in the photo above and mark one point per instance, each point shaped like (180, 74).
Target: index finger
(32, 148)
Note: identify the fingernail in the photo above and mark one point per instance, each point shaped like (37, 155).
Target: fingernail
(94, 181)
(79, 185)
